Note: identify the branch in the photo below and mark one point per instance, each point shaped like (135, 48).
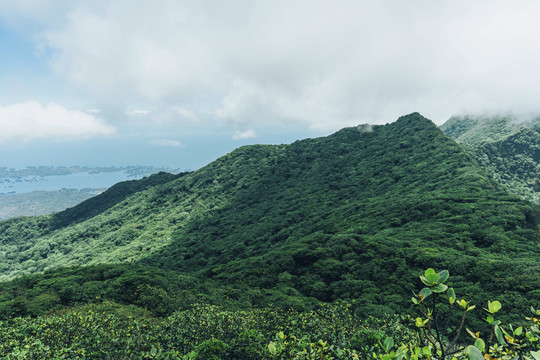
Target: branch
(459, 330)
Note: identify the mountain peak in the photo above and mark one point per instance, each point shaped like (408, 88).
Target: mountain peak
(414, 119)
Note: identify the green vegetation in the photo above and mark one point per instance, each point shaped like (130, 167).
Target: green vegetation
(107, 330)
(351, 217)
(42, 202)
(507, 148)
(436, 338)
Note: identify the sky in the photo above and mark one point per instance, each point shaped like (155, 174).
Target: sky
(179, 83)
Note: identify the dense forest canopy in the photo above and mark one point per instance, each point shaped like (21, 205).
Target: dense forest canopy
(354, 215)
(507, 147)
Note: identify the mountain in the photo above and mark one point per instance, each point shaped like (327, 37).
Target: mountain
(508, 148)
(355, 215)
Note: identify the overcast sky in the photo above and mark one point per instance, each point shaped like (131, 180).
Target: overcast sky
(179, 83)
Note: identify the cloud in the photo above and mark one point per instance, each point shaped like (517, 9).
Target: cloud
(31, 120)
(320, 64)
(139, 112)
(93, 111)
(248, 134)
(165, 143)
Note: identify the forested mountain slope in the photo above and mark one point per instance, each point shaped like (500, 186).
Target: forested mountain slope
(507, 148)
(355, 215)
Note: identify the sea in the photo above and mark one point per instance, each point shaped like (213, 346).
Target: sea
(81, 180)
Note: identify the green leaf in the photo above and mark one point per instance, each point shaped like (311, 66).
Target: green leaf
(536, 355)
(480, 344)
(388, 343)
(518, 331)
(439, 288)
(490, 319)
(272, 348)
(420, 322)
(443, 276)
(426, 351)
(425, 281)
(474, 335)
(499, 335)
(494, 306)
(474, 353)
(424, 293)
(431, 276)
(451, 295)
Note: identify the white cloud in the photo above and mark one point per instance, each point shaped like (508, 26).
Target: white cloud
(139, 112)
(166, 143)
(248, 134)
(31, 120)
(318, 63)
(93, 111)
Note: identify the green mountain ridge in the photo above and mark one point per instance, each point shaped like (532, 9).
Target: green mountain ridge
(508, 148)
(355, 215)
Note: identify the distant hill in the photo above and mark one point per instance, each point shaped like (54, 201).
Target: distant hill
(507, 147)
(41, 190)
(355, 215)
(42, 202)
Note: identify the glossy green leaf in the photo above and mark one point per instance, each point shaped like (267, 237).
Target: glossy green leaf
(425, 281)
(494, 306)
(431, 276)
(443, 276)
(424, 293)
(439, 288)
